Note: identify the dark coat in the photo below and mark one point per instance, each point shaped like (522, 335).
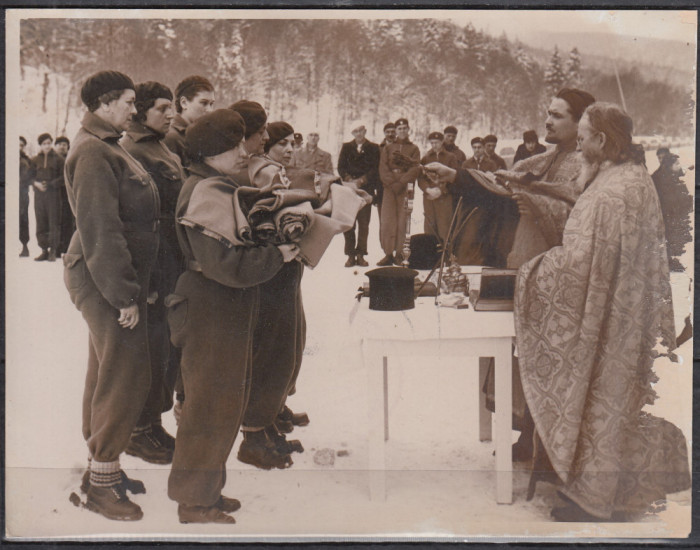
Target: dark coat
(116, 207)
(362, 165)
(457, 152)
(393, 176)
(175, 139)
(26, 169)
(499, 161)
(522, 153)
(485, 165)
(49, 169)
(443, 157)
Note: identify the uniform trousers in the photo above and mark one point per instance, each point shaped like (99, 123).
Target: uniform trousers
(392, 230)
(47, 210)
(213, 325)
(23, 213)
(301, 344)
(118, 374)
(67, 224)
(437, 215)
(275, 345)
(358, 246)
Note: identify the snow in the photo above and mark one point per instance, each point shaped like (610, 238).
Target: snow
(440, 479)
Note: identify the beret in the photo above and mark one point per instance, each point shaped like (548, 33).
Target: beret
(450, 130)
(435, 135)
(62, 139)
(253, 114)
(577, 99)
(402, 121)
(277, 132)
(298, 136)
(477, 140)
(530, 135)
(102, 83)
(389, 125)
(490, 139)
(43, 137)
(214, 133)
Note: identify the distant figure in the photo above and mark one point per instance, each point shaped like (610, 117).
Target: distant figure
(26, 173)
(437, 199)
(298, 141)
(490, 142)
(450, 146)
(480, 160)
(389, 137)
(62, 146)
(48, 180)
(194, 98)
(312, 157)
(530, 147)
(358, 162)
(676, 205)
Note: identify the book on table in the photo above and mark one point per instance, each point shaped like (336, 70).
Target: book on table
(496, 290)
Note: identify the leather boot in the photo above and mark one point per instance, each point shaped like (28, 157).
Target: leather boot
(112, 503)
(144, 445)
(227, 504)
(203, 514)
(52, 255)
(386, 260)
(360, 260)
(297, 419)
(25, 251)
(257, 450)
(165, 439)
(43, 256)
(134, 486)
(351, 261)
(281, 444)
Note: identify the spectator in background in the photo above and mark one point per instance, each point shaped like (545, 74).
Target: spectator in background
(48, 179)
(450, 145)
(358, 162)
(399, 165)
(26, 175)
(479, 161)
(676, 205)
(312, 157)
(389, 137)
(144, 141)
(194, 98)
(530, 147)
(437, 199)
(298, 141)
(490, 142)
(62, 146)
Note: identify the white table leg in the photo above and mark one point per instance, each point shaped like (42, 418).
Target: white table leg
(484, 413)
(504, 419)
(385, 374)
(374, 365)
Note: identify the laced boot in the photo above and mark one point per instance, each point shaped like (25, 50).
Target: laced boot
(297, 419)
(144, 445)
(227, 504)
(360, 260)
(280, 441)
(134, 486)
(203, 514)
(256, 449)
(165, 439)
(386, 260)
(43, 256)
(112, 503)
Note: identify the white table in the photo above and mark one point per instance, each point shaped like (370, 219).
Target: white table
(432, 331)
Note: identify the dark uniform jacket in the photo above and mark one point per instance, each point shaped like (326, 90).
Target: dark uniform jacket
(116, 207)
(485, 164)
(360, 164)
(217, 259)
(522, 153)
(49, 169)
(26, 170)
(499, 161)
(443, 157)
(317, 159)
(175, 139)
(457, 152)
(394, 176)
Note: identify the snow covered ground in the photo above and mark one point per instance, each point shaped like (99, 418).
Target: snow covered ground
(440, 481)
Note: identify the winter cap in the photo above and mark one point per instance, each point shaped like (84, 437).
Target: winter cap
(102, 83)
(253, 114)
(530, 135)
(490, 139)
(62, 139)
(577, 99)
(214, 133)
(389, 125)
(476, 140)
(450, 130)
(357, 125)
(277, 132)
(402, 122)
(43, 137)
(435, 135)
(298, 136)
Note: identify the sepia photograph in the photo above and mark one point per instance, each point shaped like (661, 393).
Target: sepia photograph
(297, 275)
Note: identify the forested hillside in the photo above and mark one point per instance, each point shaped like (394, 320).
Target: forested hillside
(325, 73)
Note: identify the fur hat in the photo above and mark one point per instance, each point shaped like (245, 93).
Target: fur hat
(102, 83)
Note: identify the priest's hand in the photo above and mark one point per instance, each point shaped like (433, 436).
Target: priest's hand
(439, 173)
(510, 176)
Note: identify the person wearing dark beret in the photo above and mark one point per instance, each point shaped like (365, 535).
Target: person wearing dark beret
(194, 97)
(529, 147)
(212, 316)
(144, 141)
(47, 169)
(107, 269)
(67, 224)
(450, 145)
(280, 333)
(479, 160)
(399, 165)
(437, 200)
(255, 119)
(490, 142)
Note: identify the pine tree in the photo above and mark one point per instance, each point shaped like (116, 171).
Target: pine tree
(573, 68)
(554, 76)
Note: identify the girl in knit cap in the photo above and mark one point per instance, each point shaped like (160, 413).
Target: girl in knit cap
(212, 316)
(107, 271)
